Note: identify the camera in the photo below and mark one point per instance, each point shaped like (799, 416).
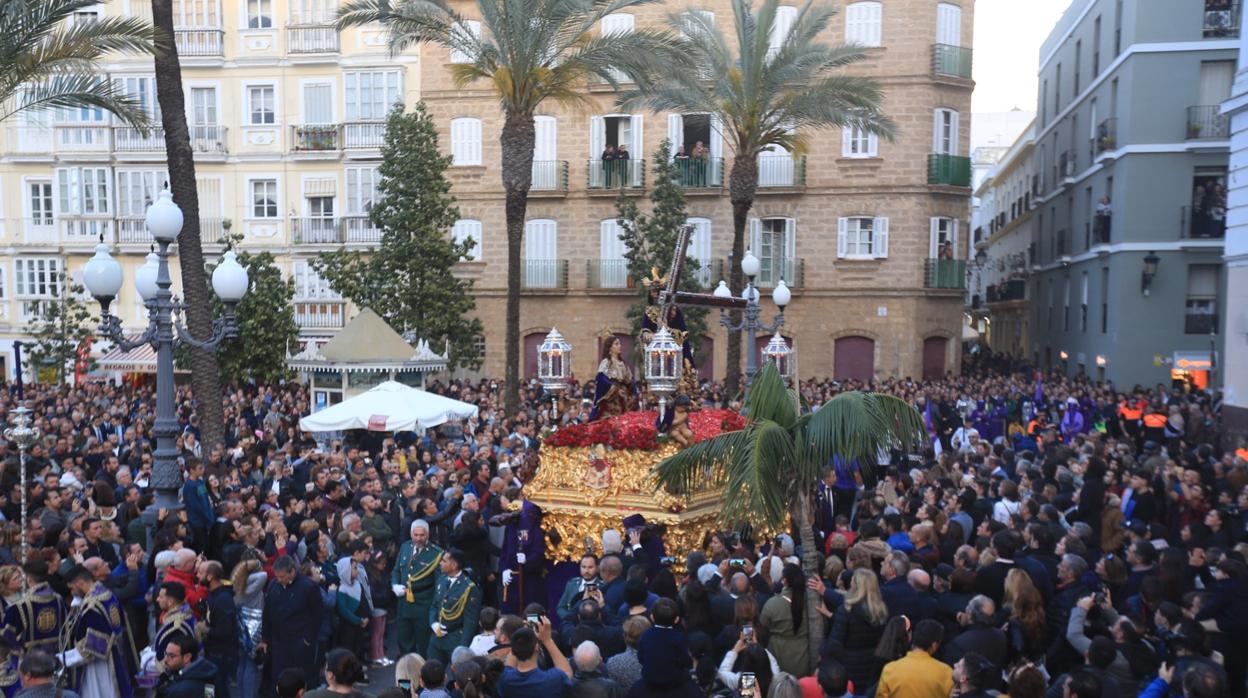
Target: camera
(667, 561)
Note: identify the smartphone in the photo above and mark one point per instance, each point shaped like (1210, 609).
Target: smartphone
(736, 562)
(534, 619)
(406, 685)
(667, 561)
(747, 683)
(591, 586)
(747, 633)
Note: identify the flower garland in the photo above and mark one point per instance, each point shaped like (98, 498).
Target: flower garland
(636, 430)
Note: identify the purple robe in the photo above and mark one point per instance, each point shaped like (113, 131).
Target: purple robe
(534, 548)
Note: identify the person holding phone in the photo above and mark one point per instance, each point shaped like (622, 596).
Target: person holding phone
(578, 588)
(523, 678)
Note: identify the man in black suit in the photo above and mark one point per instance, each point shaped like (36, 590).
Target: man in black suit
(980, 634)
(990, 580)
(900, 597)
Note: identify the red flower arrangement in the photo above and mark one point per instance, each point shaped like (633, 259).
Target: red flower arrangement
(636, 430)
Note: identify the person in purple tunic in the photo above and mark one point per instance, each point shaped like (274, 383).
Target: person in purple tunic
(522, 558)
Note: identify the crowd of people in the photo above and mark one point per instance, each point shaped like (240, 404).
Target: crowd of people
(1059, 538)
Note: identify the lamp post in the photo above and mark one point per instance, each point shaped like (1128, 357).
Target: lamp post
(25, 436)
(102, 276)
(751, 320)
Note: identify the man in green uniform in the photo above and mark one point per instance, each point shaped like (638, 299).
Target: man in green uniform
(456, 606)
(414, 580)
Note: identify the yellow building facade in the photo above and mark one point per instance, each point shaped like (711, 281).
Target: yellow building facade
(286, 117)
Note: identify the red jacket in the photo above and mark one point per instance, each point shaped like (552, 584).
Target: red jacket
(195, 592)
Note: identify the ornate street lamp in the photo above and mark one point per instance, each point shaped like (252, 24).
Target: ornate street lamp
(751, 321)
(103, 277)
(780, 353)
(554, 364)
(664, 363)
(24, 436)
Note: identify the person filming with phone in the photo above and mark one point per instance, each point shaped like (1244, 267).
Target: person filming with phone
(522, 677)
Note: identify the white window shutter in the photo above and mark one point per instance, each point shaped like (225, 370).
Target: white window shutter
(637, 144)
(953, 132)
(756, 236)
(842, 237)
(597, 136)
(474, 141)
(847, 142)
(790, 239)
(786, 15)
(879, 245)
(873, 145)
(933, 246)
(936, 120)
(617, 23)
(717, 137)
(953, 235)
(676, 131)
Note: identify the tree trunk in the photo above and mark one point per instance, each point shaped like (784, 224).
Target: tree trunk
(518, 140)
(742, 185)
(810, 565)
(205, 378)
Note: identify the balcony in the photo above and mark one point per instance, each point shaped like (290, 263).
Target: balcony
(776, 171)
(772, 271)
(314, 139)
(1012, 290)
(39, 231)
(945, 273)
(607, 273)
(311, 38)
(700, 173)
(951, 61)
(1102, 224)
(82, 138)
(208, 139)
(131, 230)
(951, 170)
(324, 230)
(195, 43)
(1200, 317)
(550, 175)
(544, 273)
(363, 135)
(127, 139)
(1207, 221)
(1106, 136)
(1221, 19)
(1207, 123)
(616, 174)
(319, 315)
(85, 230)
(360, 229)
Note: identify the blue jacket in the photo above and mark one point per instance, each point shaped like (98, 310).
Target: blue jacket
(198, 504)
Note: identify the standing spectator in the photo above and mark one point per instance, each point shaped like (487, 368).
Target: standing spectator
(523, 678)
(353, 602)
(36, 670)
(785, 617)
(589, 679)
(186, 675)
(221, 645)
(624, 667)
(292, 619)
(857, 627)
(383, 607)
(248, 580)
(198, 503)
(342, 671)
(918, 674)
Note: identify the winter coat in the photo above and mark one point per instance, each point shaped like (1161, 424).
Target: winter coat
(853, 640)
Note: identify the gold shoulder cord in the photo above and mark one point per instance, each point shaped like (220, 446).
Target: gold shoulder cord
(425, 571)
(457, 610)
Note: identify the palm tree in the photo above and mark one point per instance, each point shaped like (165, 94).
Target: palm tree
(205, 373)
(50, 61)
(764, 93)
(527, 52)
(768, 471)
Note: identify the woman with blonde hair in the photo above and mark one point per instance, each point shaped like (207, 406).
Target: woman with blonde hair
(407, 669)
(1026, 628)
(857, 627)
(249, 579)
(10, 585)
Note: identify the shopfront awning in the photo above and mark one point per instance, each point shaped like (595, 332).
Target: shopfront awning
(141, 359)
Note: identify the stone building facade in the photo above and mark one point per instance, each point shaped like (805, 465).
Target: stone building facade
(854, 226)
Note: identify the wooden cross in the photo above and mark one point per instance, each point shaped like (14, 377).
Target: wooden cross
(670, 296)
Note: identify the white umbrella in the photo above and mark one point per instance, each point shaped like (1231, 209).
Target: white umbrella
(390, 406)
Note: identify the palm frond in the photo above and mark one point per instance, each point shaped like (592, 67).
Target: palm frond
(770, 399)
(72, 91)
(859, 425)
